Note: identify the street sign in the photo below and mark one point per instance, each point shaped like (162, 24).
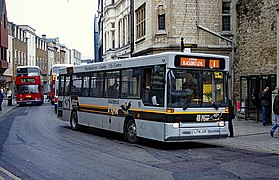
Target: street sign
(190, 45)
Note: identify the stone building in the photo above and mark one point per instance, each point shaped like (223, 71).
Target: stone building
(30, 39)
(10, 59)
(134, 28)
(255, 61)
(19, 48)
(75, 58)
(42, 59)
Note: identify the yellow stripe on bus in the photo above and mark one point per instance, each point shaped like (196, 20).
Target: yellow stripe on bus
(142, 110)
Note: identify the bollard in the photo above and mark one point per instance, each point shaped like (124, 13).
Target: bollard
(10, 100)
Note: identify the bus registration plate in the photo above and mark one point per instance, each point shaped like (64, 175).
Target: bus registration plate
(199, 131)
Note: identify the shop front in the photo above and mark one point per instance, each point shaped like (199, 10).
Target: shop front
(249, 104)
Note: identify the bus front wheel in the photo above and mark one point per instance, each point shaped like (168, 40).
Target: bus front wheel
(131, 132)
(74, 121)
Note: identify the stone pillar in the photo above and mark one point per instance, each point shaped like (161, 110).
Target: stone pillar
(275, 92)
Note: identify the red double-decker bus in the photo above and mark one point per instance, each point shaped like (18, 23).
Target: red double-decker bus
(29, 85)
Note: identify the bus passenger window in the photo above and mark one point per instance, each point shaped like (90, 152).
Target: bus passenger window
(85, 88)
(112, 84)
(154, 85)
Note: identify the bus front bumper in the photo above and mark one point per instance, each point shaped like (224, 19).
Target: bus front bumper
(29, 102)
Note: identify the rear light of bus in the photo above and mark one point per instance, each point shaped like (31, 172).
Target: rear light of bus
(221, 123)
(175, 125)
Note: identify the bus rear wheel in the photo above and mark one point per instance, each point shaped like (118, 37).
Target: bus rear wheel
(131, 132)
(74, 121)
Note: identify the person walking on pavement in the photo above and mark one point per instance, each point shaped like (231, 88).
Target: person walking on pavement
(265, 103)
(276, 114)
(1, 98)
(231, 117)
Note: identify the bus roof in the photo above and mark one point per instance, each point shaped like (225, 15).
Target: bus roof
(148, 60)
(21, 67)
(61, 65)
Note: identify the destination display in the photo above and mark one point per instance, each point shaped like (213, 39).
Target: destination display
(27, 80)
(199, 62)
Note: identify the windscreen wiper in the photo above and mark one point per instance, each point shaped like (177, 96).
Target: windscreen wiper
(212, 103)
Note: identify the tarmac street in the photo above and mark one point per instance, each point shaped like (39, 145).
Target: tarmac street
(249, 134)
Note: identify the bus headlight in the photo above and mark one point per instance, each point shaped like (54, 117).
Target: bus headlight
(221, 123)
(175, 125)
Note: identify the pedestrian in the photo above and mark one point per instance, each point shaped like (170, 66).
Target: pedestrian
(9, 93)
(265, 103)
(231, 117)
(1, 98)
(276, 114)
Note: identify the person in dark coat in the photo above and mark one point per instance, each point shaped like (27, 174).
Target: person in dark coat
(231, 117)
(276, 114)
(1, 99)
(265, 103)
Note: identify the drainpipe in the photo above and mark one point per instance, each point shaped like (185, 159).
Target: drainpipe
(275, 92)
(132, 27)
(277, 9)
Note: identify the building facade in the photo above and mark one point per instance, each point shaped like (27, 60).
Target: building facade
(3, 41)
(134, 28)
(75, 57)
(255, 61)
(9, 72)
(30, 36)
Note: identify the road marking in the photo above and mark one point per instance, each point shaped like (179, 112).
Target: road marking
(1, 178)
(9, 174)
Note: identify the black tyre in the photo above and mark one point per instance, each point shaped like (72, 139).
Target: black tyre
(74, 121)
(131, 132)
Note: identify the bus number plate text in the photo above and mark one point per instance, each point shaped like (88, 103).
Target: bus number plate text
(199, 131)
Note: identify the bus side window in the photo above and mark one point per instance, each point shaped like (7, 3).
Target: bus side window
(112, 80)
(96, 84)
(67, 83)
(85, 87)
(147, 89)
(154, 85)
(158, 85)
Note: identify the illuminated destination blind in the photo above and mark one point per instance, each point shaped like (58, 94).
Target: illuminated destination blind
(200, 63)
(27, 80)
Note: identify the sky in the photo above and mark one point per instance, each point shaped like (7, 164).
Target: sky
(70, 20)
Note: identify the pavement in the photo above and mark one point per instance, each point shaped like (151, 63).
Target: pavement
(6, 108)
(249, 134)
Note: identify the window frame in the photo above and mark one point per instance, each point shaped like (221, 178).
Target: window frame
(141, 21)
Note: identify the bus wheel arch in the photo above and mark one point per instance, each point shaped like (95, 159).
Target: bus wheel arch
(74, 120)
(130, 129)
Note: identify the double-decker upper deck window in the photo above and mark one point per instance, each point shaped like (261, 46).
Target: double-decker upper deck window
(140, 15)
(226, 16)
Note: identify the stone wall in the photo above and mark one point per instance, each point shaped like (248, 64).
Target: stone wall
(255, 39)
